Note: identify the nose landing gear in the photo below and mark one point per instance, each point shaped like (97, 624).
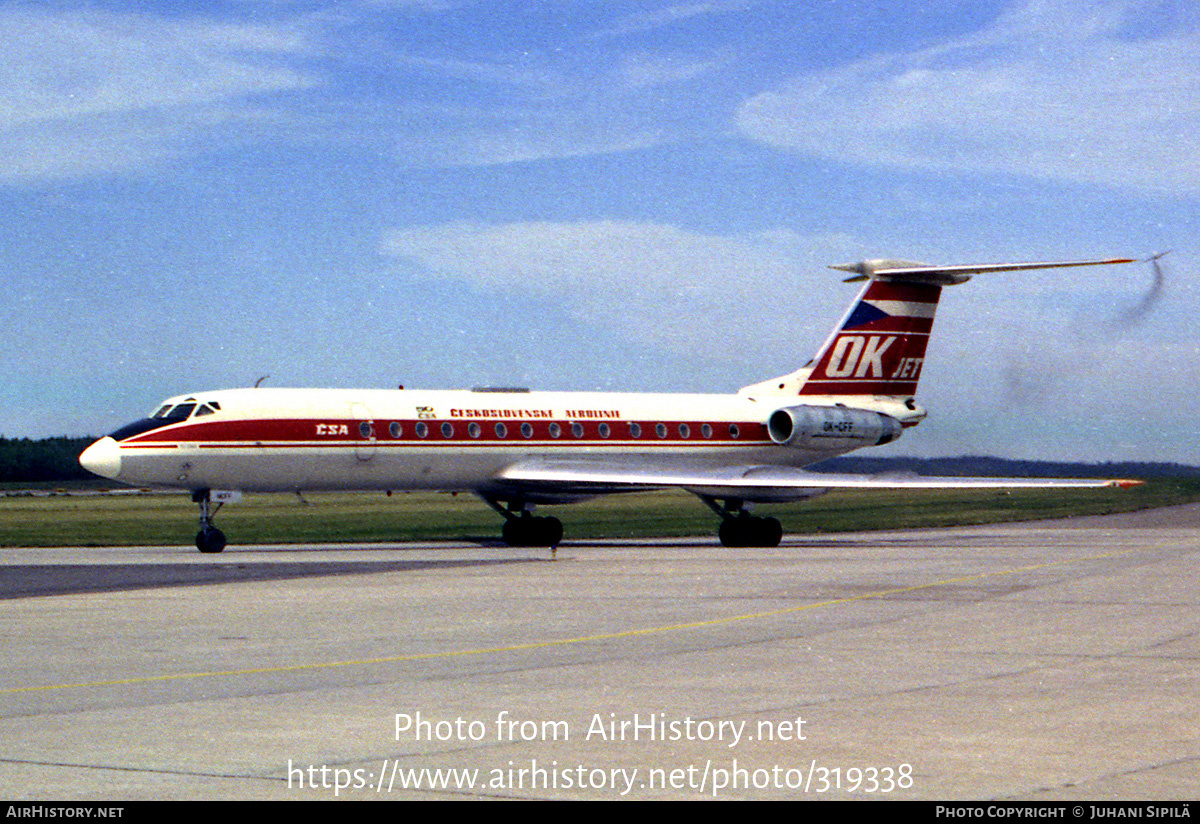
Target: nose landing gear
(209, 539)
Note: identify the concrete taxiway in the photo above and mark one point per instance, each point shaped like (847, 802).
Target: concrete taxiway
(1056, 660)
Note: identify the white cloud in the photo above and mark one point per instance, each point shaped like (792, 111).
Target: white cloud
(673, 14)
(645, 69)
(441, 137)
(648, 282)
(541, 81)
(522, 108)
(87, 92)
(1056, 92)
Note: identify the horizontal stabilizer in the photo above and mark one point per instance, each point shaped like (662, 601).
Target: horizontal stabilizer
(903, 270)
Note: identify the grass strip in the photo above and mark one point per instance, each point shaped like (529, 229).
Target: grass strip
(76, 519)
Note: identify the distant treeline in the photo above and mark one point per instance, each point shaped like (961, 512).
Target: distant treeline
(50, 459)
(57, 459)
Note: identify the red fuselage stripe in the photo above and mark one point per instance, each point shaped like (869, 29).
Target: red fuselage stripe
(514, 432)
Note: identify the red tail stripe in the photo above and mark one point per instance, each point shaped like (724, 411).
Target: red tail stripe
(908, 292)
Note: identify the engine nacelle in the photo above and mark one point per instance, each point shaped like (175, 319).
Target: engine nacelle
(826, 428)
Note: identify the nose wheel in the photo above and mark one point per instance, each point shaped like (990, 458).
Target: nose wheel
(209, 539)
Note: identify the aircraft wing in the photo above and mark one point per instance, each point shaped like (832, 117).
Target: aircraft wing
(759, 482)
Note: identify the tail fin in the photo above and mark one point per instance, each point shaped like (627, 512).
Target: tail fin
(878, 348)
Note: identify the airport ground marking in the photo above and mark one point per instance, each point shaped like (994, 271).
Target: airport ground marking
(560, 642)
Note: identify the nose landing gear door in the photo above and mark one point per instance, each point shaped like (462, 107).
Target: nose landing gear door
(363, 433)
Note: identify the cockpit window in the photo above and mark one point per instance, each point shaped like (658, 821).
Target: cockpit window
(175, 412)
(205, 409)
(165, 415)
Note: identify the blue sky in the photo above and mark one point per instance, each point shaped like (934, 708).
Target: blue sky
(599, 195)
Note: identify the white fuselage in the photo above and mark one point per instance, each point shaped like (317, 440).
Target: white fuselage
(334, 439)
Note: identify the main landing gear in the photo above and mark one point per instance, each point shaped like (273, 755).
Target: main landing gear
(741, 529)
(523, 528)
(738, 527)
(209, 538)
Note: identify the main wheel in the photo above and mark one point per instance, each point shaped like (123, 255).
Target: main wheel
(530, 531)
(731, 532)
(748, 530)
(550, 531)
(770, 532)
(514, 532)
(210, 540)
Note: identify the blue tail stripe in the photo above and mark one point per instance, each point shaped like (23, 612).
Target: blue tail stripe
(863, 314)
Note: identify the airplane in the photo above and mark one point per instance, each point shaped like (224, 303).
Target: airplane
(517, 449)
